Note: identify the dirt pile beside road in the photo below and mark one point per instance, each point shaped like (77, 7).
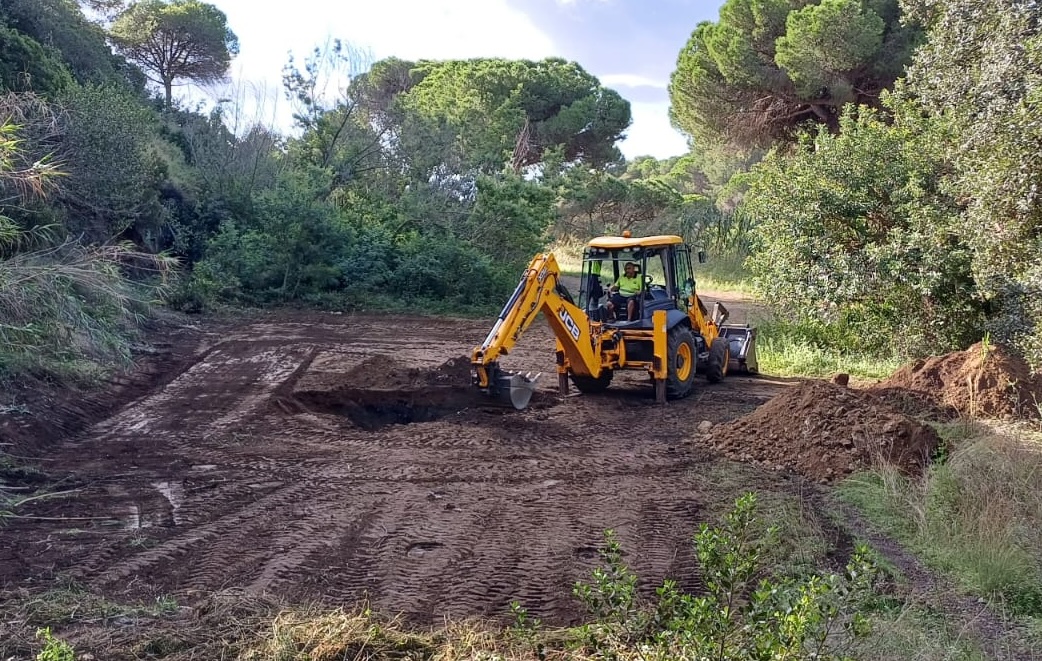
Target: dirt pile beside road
(383, 372)
(978, 382)
(825, 431)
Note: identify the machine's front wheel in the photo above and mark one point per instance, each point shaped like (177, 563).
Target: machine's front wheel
(680, 362)
(719, 359)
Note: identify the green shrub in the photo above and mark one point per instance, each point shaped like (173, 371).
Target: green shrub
(54, 649)
(857, 230)
(741, 615)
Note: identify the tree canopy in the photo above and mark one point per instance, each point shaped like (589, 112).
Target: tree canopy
(61, 25)
(177, 40)
(980, 74)
(510, 110)
(768, 66)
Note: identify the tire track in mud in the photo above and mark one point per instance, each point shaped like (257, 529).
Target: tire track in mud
(458, 516)
(467, 545)
(184, 544)
(242, 384)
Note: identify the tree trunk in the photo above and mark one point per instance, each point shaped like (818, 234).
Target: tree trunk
(168, 86)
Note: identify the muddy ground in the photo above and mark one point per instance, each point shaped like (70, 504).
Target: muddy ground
(284, 455)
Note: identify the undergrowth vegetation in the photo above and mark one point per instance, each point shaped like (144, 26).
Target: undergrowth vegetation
(808, 348)
(976, 513)
(747, 611)
(67, 309)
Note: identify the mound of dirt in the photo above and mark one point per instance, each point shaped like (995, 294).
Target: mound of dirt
(974, 382)
(825, 431)
(382, 372)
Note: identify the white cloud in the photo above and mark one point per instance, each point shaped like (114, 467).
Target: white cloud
(410, 29)
(651, 133)
(631, 80)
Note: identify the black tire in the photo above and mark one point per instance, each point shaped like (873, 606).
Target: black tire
(719, 360)
(682, 359)
(590, 385)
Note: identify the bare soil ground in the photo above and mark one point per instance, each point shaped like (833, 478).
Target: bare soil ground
(340, 458)
(336, 458)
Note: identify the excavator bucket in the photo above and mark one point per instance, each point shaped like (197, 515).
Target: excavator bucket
(511, 388)
(516, 389)
(742, 341)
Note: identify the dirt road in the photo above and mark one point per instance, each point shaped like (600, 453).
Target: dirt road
(268, 461)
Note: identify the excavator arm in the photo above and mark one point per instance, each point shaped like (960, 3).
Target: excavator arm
(539, 290)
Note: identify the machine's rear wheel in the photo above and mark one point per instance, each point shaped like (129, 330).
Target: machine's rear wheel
(719, 359)
(681, 359)
(588, 384)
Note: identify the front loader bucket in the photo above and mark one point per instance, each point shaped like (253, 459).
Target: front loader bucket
(742, 341)
(516, 389)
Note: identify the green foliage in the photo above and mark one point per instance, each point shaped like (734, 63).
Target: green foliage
(488, 103)
(856, 229)
(612, 597)
(976, 515)
(509, 221)
(358, 252)
(54, 649)
(815, 349)
(69, 311)
(292, 245)
(822, 41)
(768, 66)
(26, 66)
(741, 614)
(80, 43)
(594, 202)
(980, 72)
(175, 40)
(113, 173)
(65, 309)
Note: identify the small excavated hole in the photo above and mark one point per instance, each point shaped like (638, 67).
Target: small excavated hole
(587, 553)
(420, 549)
(375, 409)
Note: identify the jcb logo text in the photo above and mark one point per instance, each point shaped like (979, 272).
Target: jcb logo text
(570, 324)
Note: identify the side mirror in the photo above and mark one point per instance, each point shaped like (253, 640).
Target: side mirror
(702, 257)
(648, 279)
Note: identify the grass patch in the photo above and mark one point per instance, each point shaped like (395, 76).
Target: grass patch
(725, 273)
(976, 514)
(791, 349)
(73, 603)
(69, 312)
(903, 631)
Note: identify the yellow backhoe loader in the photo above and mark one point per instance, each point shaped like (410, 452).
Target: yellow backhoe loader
(663, 328)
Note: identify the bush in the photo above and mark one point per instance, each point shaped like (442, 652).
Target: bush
(856, 229)
(742, 615)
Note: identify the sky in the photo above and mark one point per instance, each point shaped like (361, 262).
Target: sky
(630, 45)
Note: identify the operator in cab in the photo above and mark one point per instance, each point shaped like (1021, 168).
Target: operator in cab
(624, 292)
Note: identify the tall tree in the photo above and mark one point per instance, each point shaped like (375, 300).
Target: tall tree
(176, 40)
(769, 65)
(514, 110)
(981, 74)
(62, 26)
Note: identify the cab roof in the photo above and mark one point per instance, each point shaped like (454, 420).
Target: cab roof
(624, 242)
